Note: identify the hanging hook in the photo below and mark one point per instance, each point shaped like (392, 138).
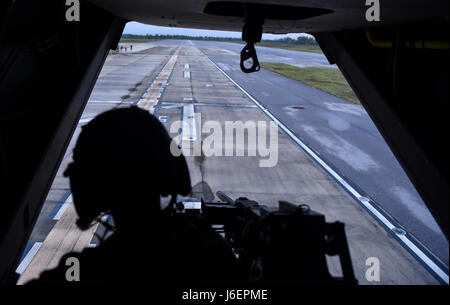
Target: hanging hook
(251, 33)
(249, 52)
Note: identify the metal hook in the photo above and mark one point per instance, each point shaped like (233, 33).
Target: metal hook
(249, 52)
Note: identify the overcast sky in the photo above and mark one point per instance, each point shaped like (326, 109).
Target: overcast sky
(142, 29)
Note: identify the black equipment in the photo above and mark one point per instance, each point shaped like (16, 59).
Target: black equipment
(287, 244)
(251, 33)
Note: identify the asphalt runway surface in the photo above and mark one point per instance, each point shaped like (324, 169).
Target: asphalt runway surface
(340, 132)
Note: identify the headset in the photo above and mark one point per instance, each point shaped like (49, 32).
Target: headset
(129, 144)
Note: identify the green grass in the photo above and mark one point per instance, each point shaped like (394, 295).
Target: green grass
(326, 79)
(305, 48)
(312, 49)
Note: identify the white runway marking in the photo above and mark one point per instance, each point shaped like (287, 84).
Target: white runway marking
(27, 259)
(85, 120)
(171, 106)
(189, 128)
(63, 208)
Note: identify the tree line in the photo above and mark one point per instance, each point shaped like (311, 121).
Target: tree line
(301, 40)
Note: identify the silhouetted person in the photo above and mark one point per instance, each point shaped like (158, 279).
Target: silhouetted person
(122, 164)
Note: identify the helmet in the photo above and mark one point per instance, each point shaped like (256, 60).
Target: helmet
(122, 158)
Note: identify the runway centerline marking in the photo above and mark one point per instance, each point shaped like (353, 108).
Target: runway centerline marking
(189, 128)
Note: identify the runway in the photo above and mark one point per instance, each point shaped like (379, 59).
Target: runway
(340, 133)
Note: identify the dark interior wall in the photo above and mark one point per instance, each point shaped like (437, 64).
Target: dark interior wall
(48, 67)
(400, 74)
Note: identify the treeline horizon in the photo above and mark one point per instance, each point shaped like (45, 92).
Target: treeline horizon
(301, 40)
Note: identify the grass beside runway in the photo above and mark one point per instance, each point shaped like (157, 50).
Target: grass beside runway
(329, 80)
(301, 48)
(305, 48)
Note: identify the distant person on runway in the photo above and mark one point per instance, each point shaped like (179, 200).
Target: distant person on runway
(122, 165)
